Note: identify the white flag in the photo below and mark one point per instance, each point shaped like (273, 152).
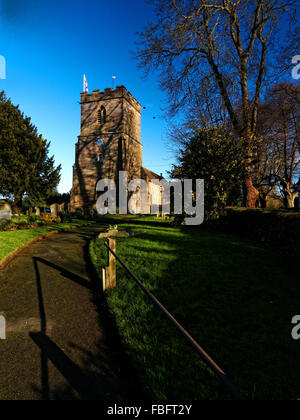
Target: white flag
(85, 84)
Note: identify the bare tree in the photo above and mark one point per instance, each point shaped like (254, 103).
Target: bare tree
(284, 99)
(267, 168)
(221, 43)
(278, 131)
(284, 63)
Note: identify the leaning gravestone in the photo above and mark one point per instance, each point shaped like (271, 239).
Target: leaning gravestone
(54, 210)
(5, 210)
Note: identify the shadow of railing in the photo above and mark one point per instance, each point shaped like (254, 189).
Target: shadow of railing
(85, 385)
(65, 273)
(44, 358)
(102, 374)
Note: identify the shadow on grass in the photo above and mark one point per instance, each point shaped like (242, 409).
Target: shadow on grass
(235, 298)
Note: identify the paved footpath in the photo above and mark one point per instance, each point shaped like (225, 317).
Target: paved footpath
(56, 347)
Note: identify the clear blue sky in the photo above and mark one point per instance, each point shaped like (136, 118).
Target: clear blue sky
(50, 44)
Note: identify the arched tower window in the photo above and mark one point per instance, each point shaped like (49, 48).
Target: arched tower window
(99, 117)
(102, 115)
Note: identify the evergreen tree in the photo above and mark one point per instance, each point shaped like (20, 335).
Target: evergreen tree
(215, 156)
(25, 167)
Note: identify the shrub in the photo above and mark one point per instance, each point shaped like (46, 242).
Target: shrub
(56, 220)
(64, 216)
(276, 229)
(179, 220)
(23, 225)
(32, 219)
(79, 213)
(5, 225)
(46, 216)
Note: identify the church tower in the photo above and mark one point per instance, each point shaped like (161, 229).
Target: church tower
(109, 142)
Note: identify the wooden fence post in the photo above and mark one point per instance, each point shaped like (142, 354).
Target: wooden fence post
(109, 274)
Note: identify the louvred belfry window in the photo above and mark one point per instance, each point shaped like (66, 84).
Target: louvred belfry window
(102, 115)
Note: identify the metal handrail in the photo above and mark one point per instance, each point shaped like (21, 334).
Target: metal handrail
(206, 358)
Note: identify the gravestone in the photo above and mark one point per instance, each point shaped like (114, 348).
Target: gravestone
(5, 210)
(37, 211)
(54, 210)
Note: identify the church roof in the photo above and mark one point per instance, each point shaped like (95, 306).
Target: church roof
(146, 173)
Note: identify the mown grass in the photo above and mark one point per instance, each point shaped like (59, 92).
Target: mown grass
(11, 241)
(236, 298)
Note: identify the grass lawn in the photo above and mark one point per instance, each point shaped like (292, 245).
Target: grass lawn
(236, 298)
(11, 241)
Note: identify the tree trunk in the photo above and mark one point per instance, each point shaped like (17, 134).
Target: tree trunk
(289, 198)
(17, 205)
(263, 201)
(251, 193)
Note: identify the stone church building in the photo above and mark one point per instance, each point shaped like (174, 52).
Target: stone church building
(109, 142)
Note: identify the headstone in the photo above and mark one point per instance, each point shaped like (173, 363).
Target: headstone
(5, 210)
(37, 211)
(54, 210)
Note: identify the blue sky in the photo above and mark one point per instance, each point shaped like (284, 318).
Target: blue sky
(48, 46)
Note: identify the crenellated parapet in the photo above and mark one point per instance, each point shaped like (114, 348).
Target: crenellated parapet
(120, 92)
